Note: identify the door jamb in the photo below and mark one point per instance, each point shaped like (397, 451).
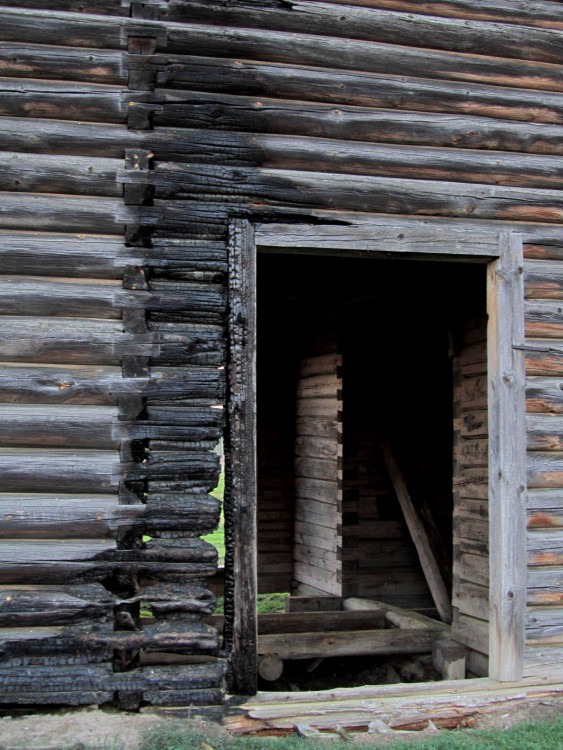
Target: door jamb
(502, 251)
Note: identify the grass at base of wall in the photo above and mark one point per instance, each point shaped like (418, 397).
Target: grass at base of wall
(527, 736)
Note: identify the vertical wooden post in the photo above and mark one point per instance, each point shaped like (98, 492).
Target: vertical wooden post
(242, 445)
(507, 461)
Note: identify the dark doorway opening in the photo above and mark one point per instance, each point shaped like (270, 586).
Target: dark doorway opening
(355, 354)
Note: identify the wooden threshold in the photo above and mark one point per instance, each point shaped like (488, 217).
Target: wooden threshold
(406, 706)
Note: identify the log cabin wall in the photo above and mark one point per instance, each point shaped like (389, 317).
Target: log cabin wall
(110, 386)
(132, 142)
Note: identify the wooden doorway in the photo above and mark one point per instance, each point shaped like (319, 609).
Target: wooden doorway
(506, 460)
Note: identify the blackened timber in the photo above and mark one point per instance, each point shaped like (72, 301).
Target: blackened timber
(372, 24)
(34, 516)
(78, 175)
(178, 511)
(47, 605)
(354, 192)
(301, 118)
(350, 54)
(62, 101)
(60, 63)
(363, 89)
(105, 7)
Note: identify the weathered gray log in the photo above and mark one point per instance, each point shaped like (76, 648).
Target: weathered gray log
(73, 341)
(75, 426)
(106, 385)
(363, 89)
(63, 101)
(541, 13)
(103, 7)
(292, 187)
(47, 516)
(351, 54)
(31, 212)
(83, 256)
(62, 470)
(348, 643)
(373, 24)
(42, 61)
(78, 175)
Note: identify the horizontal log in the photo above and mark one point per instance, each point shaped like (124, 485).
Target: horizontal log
(65, 297)
(350, 643)
(106, 385)
(540, 13)
(363, 193)
(77, 175)
(42, 61)
(60, 470)
(195, 513)
(102, 7)
(543, 318)
(543, 279)
(352, 54)
(545, 546)
(224, 112)
(89, 256)
(312, 84)
(88, 102)
(314, 468)
(47, 605)
(71, 341)
(544, 432)
(376, 24)
(33, 212)
(69, 29)
(35, 516)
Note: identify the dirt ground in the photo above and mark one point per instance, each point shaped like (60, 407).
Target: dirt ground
(95, 728)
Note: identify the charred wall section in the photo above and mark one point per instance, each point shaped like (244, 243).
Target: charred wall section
(129, 145)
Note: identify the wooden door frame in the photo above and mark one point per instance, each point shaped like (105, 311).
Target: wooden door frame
(389, 237)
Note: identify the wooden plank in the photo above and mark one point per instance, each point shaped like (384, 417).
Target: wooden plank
(350, 643)
(67, 516)
(309, 622)
(472, 632)
(507, 461)
(315, 468)
(471, 599)
(382, 25)
(418, 535)
(60, 297)
(319, 577)
(48, 605)
(241, 486)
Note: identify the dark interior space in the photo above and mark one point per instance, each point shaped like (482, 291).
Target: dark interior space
(389, 329)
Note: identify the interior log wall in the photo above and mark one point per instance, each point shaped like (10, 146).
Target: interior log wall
(128, 146)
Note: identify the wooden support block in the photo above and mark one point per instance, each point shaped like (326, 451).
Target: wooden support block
(450, 658)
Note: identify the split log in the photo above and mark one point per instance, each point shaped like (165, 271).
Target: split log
(46, 605)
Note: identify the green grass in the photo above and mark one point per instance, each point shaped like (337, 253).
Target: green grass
(217, 537)
(548, 736)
